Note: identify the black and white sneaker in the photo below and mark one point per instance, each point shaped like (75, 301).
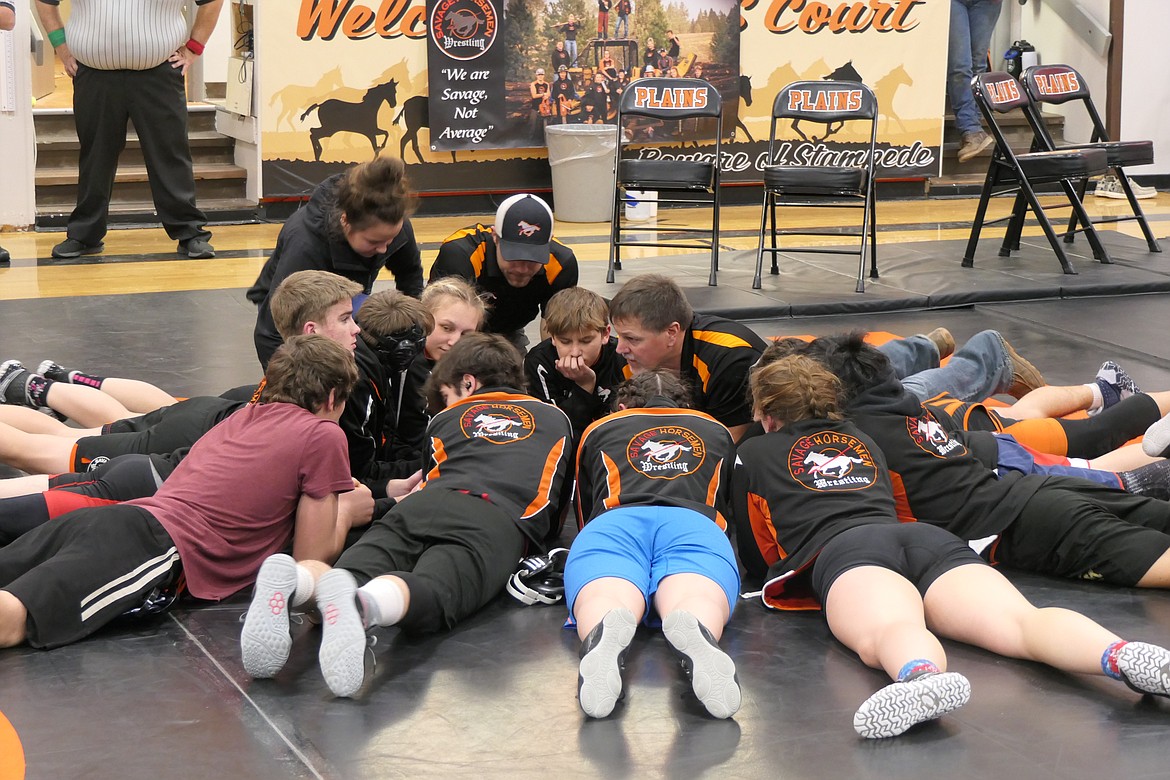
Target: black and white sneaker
(54, 371)
(265, 639)
(1116, 385)
(710, 670)
(343, 633)
(599, 677)
(1145, 667)
(900, 705)
(13, 382)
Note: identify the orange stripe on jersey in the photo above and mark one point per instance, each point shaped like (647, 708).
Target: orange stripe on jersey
(702, 370)
(648, 410)
(553, 267)
(901, 500)
(74, 463)
(713, 491)
(720, 339)
(440, 455)
(626, 372)
(255, 399)
(613, 480)
(477, 255)
(1043, 435)
(543, 495)
(764, 531)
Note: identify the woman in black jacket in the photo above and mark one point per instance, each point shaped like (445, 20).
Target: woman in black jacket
(355, 224)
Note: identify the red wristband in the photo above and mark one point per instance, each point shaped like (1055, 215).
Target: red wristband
(194, 46)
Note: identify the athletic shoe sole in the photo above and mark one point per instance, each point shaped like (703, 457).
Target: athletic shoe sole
(1145, 667)
(265, 640)
(898, 706)
(711, 670)
(9, 370)
(599, 677)
(343, 636)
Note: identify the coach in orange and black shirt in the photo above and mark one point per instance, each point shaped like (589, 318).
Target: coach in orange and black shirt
(516, 263)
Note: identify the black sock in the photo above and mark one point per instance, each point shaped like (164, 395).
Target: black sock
(89, 380)
(37, 389)
(1151, 480)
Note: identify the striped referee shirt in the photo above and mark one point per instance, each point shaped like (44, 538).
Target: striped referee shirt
(125, 34)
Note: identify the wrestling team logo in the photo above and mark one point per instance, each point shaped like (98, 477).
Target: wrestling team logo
(824, 100)
(670, 98)
(830, 461)
(666, 452)
(464, 29)
(932, 437)
(497, 423)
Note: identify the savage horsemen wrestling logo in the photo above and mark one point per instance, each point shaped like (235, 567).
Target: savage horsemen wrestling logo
(497, 423)
(928, 434)
(666, 452)
(830, 461)
(464, 29)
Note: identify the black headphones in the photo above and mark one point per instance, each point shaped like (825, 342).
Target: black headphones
(540, 579)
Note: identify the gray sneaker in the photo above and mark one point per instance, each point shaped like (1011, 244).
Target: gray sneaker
(197, 249)
(599, 677)
(343, 633)
(900, 705)
(265, 639)
(974, 143)
(711, 671)
(1145, 668)
(71, 247)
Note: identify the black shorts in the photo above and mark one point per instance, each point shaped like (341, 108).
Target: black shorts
(162, 431)
(454, 551)
(123, 478)
(919, 552)
(1082, 530)
(76, 575)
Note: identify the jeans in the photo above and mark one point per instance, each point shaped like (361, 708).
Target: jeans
(972, 22)
(571, 48)
(623, 24)
(979, 369)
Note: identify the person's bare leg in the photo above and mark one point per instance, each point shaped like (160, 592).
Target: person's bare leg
(137, 396)
(24, 486)
(88, 407)
(694, 610)
(31, 421)
(1131, 456)
(1050, 401)
(600, 596)
(34, 452)
(13, 619)
(699, 595)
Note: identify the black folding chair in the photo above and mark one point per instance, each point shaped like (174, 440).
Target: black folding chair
(1059, 84)
(834, 104)
(665, 102)
(998, 93)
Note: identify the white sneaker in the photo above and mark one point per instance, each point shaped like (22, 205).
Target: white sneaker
(1110, 187)
(265, 639)
(900, 705)
(599, 677)
(711, 671)
(1145, 668)
(343, 633)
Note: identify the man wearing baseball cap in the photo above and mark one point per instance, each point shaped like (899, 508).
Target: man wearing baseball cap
(516, 263)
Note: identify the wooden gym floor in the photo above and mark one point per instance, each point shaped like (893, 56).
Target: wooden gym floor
(496, 697)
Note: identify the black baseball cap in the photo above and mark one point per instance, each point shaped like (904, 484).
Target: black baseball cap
(524, 225)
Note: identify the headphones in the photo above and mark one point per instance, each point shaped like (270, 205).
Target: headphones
(540, 579)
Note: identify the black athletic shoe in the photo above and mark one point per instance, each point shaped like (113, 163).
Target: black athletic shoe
(13, 381)
(196, 249)
(5, 258)
(599, 677)
(71, 247)
(710, 670)
(55, 371)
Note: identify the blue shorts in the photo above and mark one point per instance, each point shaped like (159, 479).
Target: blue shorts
(645, 544)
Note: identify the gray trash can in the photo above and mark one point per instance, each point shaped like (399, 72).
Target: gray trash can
(581, 157)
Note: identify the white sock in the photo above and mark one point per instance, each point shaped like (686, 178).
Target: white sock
(305, 588)
(1098, 400)
(385, 605)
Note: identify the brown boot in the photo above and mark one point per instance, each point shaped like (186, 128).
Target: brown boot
(944, 341)
(1025, 376)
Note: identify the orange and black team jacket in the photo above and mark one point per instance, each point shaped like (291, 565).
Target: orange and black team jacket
(509, 449)
(795, 489)
(657, 455)
(717, 355)
(471, 254)
(936, 476)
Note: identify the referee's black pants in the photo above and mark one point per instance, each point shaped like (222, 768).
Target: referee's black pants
(156, 101)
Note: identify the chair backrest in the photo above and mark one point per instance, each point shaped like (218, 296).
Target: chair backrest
(999, 92)
(825, 101)
(667, 98)
(1057, 84)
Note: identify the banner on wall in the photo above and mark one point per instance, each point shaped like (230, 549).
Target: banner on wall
(897, 48)
(466, 74)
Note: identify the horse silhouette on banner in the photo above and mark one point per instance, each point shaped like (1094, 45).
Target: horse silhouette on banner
(844, 73)
(338, 116)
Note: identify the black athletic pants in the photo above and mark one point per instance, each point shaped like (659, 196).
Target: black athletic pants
(156, 101)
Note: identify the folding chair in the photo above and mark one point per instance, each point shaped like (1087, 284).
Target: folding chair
(1058, 84)
(666, 100)
(835, 104)
(998, 93)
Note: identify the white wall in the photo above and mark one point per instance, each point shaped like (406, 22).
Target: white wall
(17, 206)
(1145, 103)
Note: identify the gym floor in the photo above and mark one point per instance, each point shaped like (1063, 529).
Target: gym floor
(497, 696)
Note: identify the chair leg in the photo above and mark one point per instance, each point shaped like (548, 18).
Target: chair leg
(873, 271)
(1099, 251)
(1011, 237)
(977, 224)
(714, 237)
(1139, 215)
(614, 235)
(861, 253)
(758, 281)
(1074, 218)
(1046, 225)
(775, 245)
